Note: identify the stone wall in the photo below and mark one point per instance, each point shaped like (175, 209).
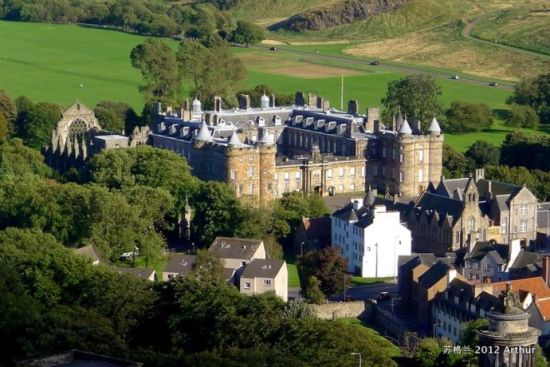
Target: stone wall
(340, 310)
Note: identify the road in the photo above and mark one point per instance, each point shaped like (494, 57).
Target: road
(466, 33)
(387, 65)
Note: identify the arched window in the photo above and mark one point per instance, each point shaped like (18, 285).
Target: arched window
(471, 225)
(77, 128)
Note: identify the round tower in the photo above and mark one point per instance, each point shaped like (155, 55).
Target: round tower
(510, 341)
(264, 101)
(268, 150)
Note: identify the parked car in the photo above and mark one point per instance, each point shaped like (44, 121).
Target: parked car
(375, 63)
(455, 77)
(493, 84)
(273, 49)
(383, 296)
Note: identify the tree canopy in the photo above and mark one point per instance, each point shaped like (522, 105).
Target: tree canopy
(116, 116)
(247, 33)
(416, 95)
(482, 154)
(534, 93)
(464, 117)
(522, 116)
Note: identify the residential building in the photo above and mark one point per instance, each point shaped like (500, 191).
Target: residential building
(312, 234)
(448, 216)
(90, 252)
(147, 274)
(543, 226)
(370, 237)
(486, 259)
(237, 252)
(265, 151)
(261, 276)
(178, 265)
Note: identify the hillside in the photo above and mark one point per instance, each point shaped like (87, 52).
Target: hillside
(449, 34)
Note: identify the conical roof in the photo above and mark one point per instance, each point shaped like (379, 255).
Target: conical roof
(369, 199)
(204, 133)
(234, 140)
(434, 126)
(405, 128)
(267, 139)
(352, 216)
(196, 102)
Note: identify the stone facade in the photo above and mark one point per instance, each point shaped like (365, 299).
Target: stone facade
(267, 151)
(339, 310)
(78, 136)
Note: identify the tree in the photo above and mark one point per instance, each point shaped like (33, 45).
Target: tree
(522, 116)
(214, 70)
(208, 268)
(157, 63)
(468, 335)
(4, 128)
(328, 266)
(455, 164)
(289, 210)
(18, 159)
(428, 352)
(535, 93)
(116, 116)
(41, 121)
(313, 292)
(247, 33)
(8, 109)
(416, 96)
(24, 107)
(261, 89)
(463, 117)
(483, 154)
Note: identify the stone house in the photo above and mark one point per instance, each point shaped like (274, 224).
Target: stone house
(450, 215)
(237, 252)
(261, 276)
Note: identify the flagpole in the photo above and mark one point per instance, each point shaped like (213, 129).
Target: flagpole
(342, 94)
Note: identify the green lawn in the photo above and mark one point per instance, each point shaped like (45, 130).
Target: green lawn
(293, 278)
(355, 280)
(391, 349)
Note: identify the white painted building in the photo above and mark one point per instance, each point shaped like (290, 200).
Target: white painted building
(371, 238)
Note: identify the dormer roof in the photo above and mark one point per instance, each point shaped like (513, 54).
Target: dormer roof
(204, 133)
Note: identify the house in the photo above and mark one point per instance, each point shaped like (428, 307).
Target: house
(262, 276)
(448, 216)
(90, 252)
(543, 226)
(370, 237)
(312, 234)
(486, 259)
(432, 282)
(147, 274)
(411, 268)
(237, 252)
(179, 265)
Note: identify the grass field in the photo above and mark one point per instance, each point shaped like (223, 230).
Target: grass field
(391, 349)
(49, 63)
(293, 278)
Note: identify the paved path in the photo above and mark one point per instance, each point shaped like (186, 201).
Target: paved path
(467, 33)
(391, 66)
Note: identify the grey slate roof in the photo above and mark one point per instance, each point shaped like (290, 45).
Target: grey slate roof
(137, 272)
(440, 204)
(234, 248)
(89, 252)
(527, 258)
(481, 249)
(181, 264)
(260, 268)
(433, 275)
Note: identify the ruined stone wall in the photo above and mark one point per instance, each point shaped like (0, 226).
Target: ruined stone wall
(339, 310)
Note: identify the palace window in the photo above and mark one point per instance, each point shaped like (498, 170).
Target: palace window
(251, 171)
(352, 171)
(329, 173)
(287, 176)
(383, 171)
(503, 225)
(421, 155)
(523, 210)
(340, 188)
(420, 174)
(233, 174)
(471, 225)
(523, 226)
(363, 171)
(298, 176)
(251, 189)
(394, 153)
(401, 176)
(401, 157)
(375, 170)
(341, 172)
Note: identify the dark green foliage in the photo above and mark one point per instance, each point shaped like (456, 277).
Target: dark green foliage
(417, 96)
(24, 107)
(145, 17)
(534, 93)
(247, 33)
(157, 63)
(259, 90)
(522, 116)
(531, 152)
(211, 68)
(482, 154)
(4, 128)
(8, 109)
(208, 268)
(289, 210)
(41, 120)
(216, 211)
(328, 266)
(17, 159)
(312, 291)
(536, 180)
(468, 335)
(464, 117)
(116, 116)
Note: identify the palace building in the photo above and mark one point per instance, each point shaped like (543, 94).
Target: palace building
(268, 150)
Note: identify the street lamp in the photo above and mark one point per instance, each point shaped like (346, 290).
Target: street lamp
(358, 354)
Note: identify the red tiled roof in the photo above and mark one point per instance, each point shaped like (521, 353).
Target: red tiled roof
(544, 308)
(536, 286)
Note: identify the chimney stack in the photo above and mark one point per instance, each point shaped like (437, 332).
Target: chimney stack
(451, 275)
(353, 107)
(546, 269)
(299, 99)
(244, 101)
